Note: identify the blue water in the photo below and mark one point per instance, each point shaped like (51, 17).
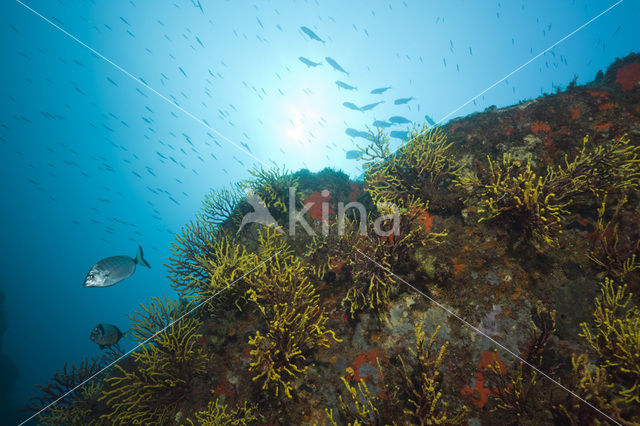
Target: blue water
(94, 163)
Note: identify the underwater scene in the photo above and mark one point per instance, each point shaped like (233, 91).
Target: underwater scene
(320, 212)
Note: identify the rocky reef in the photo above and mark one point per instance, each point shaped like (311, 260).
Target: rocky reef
(487, 273)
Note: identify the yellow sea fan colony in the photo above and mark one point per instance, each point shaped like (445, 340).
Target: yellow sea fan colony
(537, 205)
(296, 324)
(162, 372)
(419, 166)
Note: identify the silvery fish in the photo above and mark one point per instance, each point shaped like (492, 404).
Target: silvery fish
(380, 90)
(398, 119)
(311, 34)
(351, 105)
(335, 65)
(370, 106)
(401, 101)
(106, 335)
(309, 63)
(346, 86)
(113, 269)
(356, 133)
(430, 120)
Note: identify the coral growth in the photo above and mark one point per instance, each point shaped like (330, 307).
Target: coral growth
(74, 402)
(161, 373)
(629, 75)
(222, 205)
(218, 414)
(296, 324)
(536, 206)
(273, 187)
(519, 391)
(616, 339)
(423, 380)
(156, 316)
(367, 258)
(616, 252)
(192, 246)
(417, 168)
(413, 396)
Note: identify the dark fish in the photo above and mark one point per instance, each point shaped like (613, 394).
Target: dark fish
(397, 119)
(370, 106)
(401, 101)
(353, 154)
(344, 85)
(399, 134)
(351, 106)
(112, 270)
(106, 335)
(379, 123)
(356, 133)
(380, 90)
(308, 62)
(336, 66)
(311, 34)
(429, 120)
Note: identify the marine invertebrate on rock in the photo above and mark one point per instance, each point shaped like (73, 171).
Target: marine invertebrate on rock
(412, 396)
(296, 324)
(156, 315)
(519, 194)
(628, 76)
(616, 252)
(79, 406)
(398, 233)
(481, 391)
(196, 242)
(188, 253)
(273, 187)
(221, 205)
(160, 374)
(535, 205)
(372, 285)
(418, 166)
(361, 408)
(219, 414)
(519, 393)
(213, 270)
(616, 339)
(423, 381)
(591, 384)
(83, 410)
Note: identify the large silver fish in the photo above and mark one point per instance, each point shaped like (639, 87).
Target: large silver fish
(113, 269)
